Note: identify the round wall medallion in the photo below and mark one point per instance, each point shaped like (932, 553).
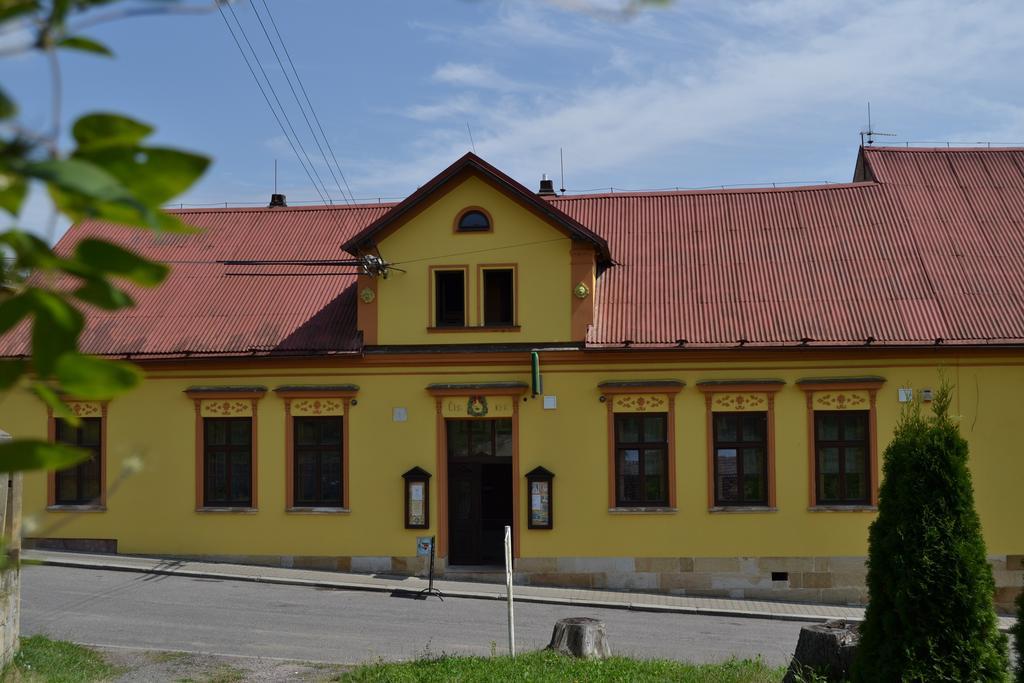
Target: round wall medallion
(581, 291)
(367, 295)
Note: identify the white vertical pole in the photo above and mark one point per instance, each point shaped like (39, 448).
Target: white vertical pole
(508, 588)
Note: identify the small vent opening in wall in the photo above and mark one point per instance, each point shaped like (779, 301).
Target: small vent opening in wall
(780, 576)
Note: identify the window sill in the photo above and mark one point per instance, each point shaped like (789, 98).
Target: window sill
(317, 511)
(843, 508)
(741, 509)
(643, 511)
(237, 511)
(76, 508)
(482, 328)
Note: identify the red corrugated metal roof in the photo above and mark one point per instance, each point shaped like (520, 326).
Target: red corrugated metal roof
(206, 308)
(931, 249)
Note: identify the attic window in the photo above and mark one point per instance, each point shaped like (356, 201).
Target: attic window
(473, 221)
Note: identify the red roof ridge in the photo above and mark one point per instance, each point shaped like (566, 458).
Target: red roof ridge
(943, 150)
(279, 209)
(718, 190)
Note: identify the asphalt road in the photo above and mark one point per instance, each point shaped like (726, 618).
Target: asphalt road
(118, 609)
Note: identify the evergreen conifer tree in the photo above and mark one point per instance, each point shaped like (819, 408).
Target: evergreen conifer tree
(1018, 636)
(930, 615)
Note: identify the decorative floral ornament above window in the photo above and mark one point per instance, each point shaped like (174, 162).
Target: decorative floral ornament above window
(581, 291)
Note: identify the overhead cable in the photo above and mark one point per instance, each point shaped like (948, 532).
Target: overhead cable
(273, 92)
(309, 102)
(273, 111)
(295, 95)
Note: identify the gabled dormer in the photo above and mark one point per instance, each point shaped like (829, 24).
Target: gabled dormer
(476, 258)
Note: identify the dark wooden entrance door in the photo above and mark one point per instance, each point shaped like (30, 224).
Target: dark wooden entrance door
(479, 490)
(464, 513)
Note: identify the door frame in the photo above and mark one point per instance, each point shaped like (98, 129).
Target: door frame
(440, 393)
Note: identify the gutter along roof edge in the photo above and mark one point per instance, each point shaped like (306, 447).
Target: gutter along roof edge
(592, 350)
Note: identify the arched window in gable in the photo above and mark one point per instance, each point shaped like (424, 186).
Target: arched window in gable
(473, 220)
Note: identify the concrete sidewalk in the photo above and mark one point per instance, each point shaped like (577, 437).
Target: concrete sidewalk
(650, 602)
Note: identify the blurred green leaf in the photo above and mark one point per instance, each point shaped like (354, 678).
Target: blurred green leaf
(13, 189)
(14, 310)
(7, 106)
(85, 45)
(107, 130)
(55, 330)
(165, 222)
(136, 215)
(10, 371)
(58, 11)
(112, 259)
(89, 377)
(31, 251)
(102, 294)
(51, 399)
(9, 9)
(82, 178)
(25, 454)
(111, 177)
(153, 175)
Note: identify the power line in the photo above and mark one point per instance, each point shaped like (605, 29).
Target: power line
(284, 112)
(334, 263)
(308, 101)
(273, 92)
(302, 109)
(273, 111)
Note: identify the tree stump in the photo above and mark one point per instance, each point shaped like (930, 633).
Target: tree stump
(827, 649)
(581, 637)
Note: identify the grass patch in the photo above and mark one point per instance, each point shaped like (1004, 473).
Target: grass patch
(55, 661)
(169, 657)
(538, 667)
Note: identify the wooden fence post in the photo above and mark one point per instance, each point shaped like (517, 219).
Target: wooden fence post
(10, 575)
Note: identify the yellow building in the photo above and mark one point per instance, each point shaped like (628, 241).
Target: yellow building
(719, 372)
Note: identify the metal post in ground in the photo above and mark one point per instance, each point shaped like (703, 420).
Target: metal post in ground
(430, 590)
(508, 587)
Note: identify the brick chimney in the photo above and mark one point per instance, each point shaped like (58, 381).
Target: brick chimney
(547, 187)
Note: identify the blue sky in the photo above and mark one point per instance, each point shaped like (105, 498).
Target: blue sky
(702, 93)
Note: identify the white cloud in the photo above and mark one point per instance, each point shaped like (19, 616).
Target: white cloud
(452, 106)
(762, 68)
(474, 76)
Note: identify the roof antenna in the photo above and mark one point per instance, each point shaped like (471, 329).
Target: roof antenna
(561, 163)
(275, 199)
(471, 143)
(871, 132)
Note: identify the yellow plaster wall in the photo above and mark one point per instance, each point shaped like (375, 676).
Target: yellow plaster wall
(152, 511)
(540, 251)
